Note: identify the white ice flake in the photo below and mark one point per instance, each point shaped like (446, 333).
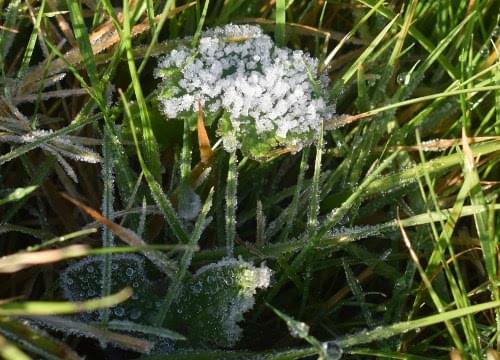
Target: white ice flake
(237, 69)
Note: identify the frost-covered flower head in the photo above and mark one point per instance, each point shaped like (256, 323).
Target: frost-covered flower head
(263, 96)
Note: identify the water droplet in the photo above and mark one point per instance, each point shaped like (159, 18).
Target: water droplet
(189, 204)
(196, 288)
(69, 281)
(496, 31)
(484, 52)
(129, 272)
(299, 330)
(91, 293)
(135, 314)
(332, 350)
(114, 266)
(135, 284)
(90, 269)
(403, 78)
(119, 311)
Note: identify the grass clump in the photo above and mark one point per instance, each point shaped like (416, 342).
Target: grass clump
(331, 194)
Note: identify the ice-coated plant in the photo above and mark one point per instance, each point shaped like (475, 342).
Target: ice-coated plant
(82, 281)
(261, 97)
(207, 308)
(214, 300)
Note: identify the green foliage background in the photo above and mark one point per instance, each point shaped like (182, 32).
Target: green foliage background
(382, 237)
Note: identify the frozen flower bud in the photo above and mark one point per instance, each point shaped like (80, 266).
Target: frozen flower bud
(262, 97)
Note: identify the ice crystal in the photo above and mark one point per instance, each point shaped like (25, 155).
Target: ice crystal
(263, 96)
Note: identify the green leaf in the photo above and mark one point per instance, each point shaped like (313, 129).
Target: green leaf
(212, 303)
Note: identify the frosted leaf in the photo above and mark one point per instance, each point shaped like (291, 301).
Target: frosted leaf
(213, 301)
(64, 164)
(61, 147)
(82, 280)
(270, 95)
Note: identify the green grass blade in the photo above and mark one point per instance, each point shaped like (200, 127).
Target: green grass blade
(403, 327)
(28, 308)
(18, 194)
(231, 203)
(156, 191)
(28, 53)
(279, 33)
(82, 37)
(9, 351)
(107, 211)
(415, 33)
(186, 259)
(151, 151)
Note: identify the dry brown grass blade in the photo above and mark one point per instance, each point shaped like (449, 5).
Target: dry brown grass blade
(101, 39)
(299, 29)
(468, 155)
(492, 354)
(126, 235)
(19, 261)
(4, 28)
(455, 355)
(206, 153)
(62, 23)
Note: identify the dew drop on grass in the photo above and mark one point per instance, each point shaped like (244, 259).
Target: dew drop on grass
(403, 78)
(129, 272)
(119, 311)
(299, 329)
(135, 314)
(332, 350)
(189, 204)
(496, 31)
(484, 52)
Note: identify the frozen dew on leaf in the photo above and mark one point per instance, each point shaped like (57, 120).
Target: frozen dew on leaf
(82, 281)
(262, 97)
(213, 301)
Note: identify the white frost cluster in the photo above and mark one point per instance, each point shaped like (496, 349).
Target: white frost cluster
(239, 69)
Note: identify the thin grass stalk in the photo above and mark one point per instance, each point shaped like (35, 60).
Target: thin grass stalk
(175, 286)
(231, 203)
(107, 211)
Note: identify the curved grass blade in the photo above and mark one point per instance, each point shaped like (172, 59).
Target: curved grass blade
(30, 308)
